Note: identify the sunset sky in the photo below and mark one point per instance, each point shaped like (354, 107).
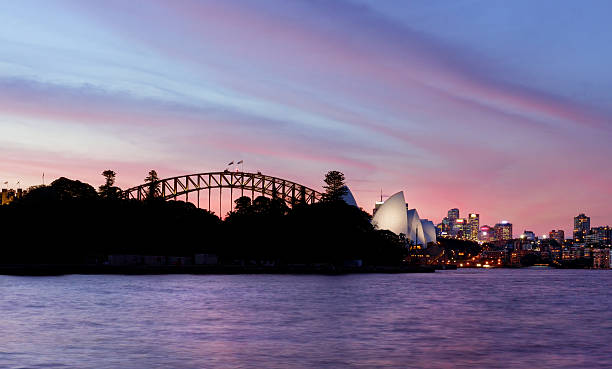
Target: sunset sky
(503, 108)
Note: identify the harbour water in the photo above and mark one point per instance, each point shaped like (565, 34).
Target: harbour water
(502, 318)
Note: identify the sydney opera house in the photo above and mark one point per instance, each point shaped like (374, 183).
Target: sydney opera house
(395, 216)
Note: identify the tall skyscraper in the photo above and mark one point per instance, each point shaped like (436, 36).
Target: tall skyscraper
(558, 236)
(461, 228)
(582, 226)
(453, 215)
(503, 231)
(446, 227)
(474, 226)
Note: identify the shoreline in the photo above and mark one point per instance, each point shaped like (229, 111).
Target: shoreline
(58, 270)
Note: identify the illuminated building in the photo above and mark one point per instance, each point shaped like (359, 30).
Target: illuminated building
(5, 196)
(453, 215)
(460, 228)
(591, 240)
(391, 214)
(473, 226)
(558, 236)
(528, 236)
(503, 231)
(441, 229)
(582, 226)
(601, 258)
(517, 255)
(486, 234)
(9, 195)
(601, 236)
(394, 215)
(444, 228)
(429, 229)
(377, 205)
(415, 232)
(551, 247)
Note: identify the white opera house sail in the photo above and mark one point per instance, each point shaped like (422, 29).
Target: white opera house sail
(429, 229)
(394, 215)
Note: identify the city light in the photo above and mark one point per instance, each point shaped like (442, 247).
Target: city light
(500, 248)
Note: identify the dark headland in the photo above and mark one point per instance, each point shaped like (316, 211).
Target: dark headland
(69, 227)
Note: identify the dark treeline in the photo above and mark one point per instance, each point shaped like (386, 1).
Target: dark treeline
(459, 249)
(70, 222)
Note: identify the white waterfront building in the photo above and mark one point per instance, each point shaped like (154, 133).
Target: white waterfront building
(395, 216)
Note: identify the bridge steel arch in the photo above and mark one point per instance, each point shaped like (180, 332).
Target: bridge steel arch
(172, 188)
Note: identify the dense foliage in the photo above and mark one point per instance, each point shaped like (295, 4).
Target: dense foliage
(69, 222)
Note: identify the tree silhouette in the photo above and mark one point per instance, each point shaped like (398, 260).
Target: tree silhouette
(153, 180)
(108, 190)
(335, 188)
(278, 207)
(261, 205)
(67, 189)
(110, 177)
(243, 205)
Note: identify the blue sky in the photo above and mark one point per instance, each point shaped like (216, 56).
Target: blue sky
(502, 108)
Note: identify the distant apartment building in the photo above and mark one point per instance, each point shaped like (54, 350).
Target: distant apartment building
(445, 227)
(577, 252)
(582, 226)
(591, 240)
(601, 258)
(517, 255)
(554, 249)
(449, 223)
(601, 236)
(503, 231)
(557, 235)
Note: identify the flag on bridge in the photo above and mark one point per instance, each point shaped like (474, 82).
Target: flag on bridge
(240, 162)
(231, 163)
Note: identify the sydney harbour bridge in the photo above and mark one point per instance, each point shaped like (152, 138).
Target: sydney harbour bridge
(211, 185)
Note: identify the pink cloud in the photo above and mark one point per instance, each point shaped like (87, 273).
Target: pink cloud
(443, 132)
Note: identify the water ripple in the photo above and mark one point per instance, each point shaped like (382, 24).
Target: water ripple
(534, 318)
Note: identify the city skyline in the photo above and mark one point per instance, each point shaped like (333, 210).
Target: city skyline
(504, 123)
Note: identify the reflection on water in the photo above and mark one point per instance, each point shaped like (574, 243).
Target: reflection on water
(466, 318)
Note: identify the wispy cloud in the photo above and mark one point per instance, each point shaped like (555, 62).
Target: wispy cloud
(297, 87)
